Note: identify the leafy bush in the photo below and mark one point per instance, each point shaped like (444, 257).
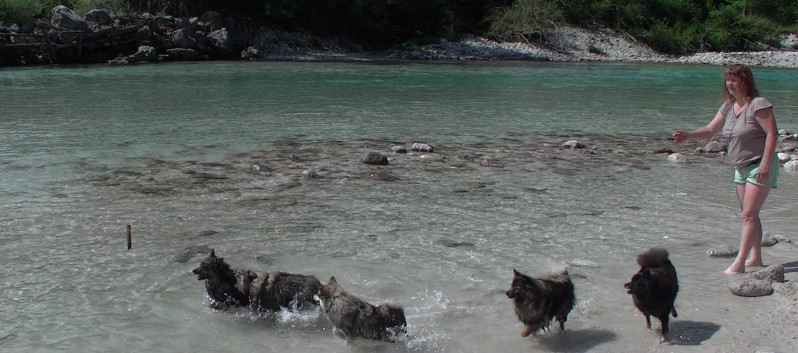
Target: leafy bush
(525, 19)
(667, 38)
(20, 11)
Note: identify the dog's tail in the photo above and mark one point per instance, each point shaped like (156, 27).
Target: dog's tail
(654, 257)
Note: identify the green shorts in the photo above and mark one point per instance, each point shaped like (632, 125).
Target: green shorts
(748, 174)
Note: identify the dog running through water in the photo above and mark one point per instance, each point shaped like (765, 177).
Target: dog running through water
(654, 287)
(260, 291)
(353, 317)
(538, 301)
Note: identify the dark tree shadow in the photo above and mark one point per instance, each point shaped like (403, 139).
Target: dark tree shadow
(691, 333)
(575, 341)
(791, 267)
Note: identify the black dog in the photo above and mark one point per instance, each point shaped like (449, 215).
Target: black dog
(654, 287)
(260, 291)
(540, 300)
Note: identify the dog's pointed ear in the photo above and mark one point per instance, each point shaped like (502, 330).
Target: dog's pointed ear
(213, 253)
(332, 281)
(647, 275)
(516, 273)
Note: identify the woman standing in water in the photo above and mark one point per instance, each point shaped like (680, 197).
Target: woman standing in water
(749, 125)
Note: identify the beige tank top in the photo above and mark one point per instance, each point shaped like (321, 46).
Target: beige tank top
(746, 137)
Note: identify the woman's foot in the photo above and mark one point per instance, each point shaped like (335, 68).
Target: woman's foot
(754, 263)
(734, 270)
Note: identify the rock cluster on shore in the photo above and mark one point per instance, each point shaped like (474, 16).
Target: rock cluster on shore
(100, 36)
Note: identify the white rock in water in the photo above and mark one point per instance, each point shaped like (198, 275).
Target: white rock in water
(422, 147)
(784, 157)
(677, 157)
(791, 166)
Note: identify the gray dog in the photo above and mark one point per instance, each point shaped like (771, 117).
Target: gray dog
(260, 291)
(354, 317)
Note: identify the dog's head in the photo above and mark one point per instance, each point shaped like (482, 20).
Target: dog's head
(327, 293)
(640, 283)
(211, 267)
(521, 284)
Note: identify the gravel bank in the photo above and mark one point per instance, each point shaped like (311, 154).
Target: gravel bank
(565, 44)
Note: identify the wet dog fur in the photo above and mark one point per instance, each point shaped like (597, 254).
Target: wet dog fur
(538, 301)
(353, 317)
(654, 287)
(260, 291)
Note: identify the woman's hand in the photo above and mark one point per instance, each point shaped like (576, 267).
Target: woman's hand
(680, 136)
(762, 173)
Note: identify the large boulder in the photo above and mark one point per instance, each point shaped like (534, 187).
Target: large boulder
(181, 38)
(750, 287)
(181, 54)
(210, 21)
(62, 17)
(98, 17)
(759, 283)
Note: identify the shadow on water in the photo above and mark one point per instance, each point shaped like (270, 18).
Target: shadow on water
(575, 340)
(691, 333)
(791, 267)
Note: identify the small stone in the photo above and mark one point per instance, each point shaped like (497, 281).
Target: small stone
(573, 144)
(714, 147)
(677, 157)
(421, 147)
(309, 174)
(398, 149)
(769, 240)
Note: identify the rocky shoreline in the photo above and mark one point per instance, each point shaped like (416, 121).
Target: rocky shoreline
(212, 37)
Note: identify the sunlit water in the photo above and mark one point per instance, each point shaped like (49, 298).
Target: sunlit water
(170, 150)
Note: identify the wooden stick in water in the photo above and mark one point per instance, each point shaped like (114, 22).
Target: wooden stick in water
(129, 238)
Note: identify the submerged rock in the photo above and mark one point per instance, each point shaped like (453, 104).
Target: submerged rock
(714, 147)
(399, 149)
(723, 251)
(309, 174)
(189, 252)
(374, 157)
(677, 157)
(769, 240)
(455, 244)
(573, 144)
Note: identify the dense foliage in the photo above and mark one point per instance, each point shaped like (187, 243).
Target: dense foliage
(673, 26)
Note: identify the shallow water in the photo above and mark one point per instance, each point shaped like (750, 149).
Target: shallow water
(170, 150)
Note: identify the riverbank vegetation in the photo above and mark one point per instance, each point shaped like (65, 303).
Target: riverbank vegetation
(668, 26)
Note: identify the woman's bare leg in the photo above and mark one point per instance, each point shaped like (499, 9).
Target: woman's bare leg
(751, 197)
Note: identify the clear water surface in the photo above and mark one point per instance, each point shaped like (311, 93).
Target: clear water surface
(211, 155)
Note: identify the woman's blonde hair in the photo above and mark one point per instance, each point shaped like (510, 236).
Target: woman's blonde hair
(747, 85)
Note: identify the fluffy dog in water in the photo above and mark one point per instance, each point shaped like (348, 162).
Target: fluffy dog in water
(353, 317)
(654, 287)
(540, 300)
(260, 291)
